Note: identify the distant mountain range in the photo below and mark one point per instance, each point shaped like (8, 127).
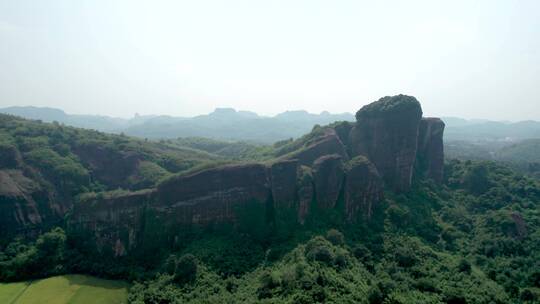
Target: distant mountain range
(232, 125)
(223, 123)
(486, 130)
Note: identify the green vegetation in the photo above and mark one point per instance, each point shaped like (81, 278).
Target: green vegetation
(473, 239)
(522, 155)
(464, 242)
(283, 148)
(76, 289)
(234, 150)
(390, 105)
(460, 243)
(78, 160)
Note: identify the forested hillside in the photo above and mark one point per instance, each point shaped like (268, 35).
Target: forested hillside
(475, 240)
(352, 212)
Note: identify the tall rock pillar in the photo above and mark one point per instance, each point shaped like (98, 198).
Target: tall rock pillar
(386, 132)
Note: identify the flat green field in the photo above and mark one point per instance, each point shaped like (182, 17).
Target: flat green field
(73, 289)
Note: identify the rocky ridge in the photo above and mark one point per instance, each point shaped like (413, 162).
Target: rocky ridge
(344, 167)
(389, 142)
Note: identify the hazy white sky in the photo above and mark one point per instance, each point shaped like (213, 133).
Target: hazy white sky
(459, 58)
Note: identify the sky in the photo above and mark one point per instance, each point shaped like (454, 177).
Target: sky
(471, 59)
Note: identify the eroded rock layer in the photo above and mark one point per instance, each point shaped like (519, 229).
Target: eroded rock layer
(328, 174)
(363, 188)
(344, 167)
(431, 148)
(386, 132)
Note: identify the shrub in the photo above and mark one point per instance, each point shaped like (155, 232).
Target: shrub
(319, 249)
(335, 237)
(398, 216)
(170, 264)
(267, 282)
(362, 253)
(405, 257)
(341, 260)
(464, 266)
(186, 269)
(476, 179)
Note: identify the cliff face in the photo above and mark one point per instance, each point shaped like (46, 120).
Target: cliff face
(18, 208)
(116, 222)
(212, 195)
(328, 174)
(107, 165)
(386, 132)
(25, 203)
(343, 167)
(363, 188)
(325, 144)
(431, 148)
(283, 179)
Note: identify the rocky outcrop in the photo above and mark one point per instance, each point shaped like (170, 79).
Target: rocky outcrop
(363, 188)
(325, 144)
(386, 132)
(115, 220)
(108, 166)
(283, 183)
(430, 148)
(10, 157)
(387, 140)
(306, 192)
(328, 178)
(18, 208)
(520, 227)
(212, 195)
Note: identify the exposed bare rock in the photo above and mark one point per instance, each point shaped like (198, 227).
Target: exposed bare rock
(328, 175)
(386, 141)
(115, 220)
(386, 132)
(430, 148)
(283, 181)
(107, 165)
(520, 225)
(305, 192)
(18, 208)
(325, 144)
(363, 188)
(213, 195)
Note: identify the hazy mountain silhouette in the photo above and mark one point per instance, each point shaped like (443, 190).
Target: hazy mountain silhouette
(230, 124)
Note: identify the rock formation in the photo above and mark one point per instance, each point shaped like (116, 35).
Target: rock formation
(430, 148)
(108, 165)
(363, 188)
(283, 183)
(306, 192)
(386, 132)
(116, 221)
(349, 163)
(212, 195)
(18, 208)
(328, 176)
(325, 144)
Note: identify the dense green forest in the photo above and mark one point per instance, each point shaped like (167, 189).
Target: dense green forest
(522, 155)
(474, 239)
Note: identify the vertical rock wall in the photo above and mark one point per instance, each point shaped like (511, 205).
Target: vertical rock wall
(431, 148)
(355, 161)
(386, 132)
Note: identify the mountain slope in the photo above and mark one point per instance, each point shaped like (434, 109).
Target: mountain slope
(351, 212)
